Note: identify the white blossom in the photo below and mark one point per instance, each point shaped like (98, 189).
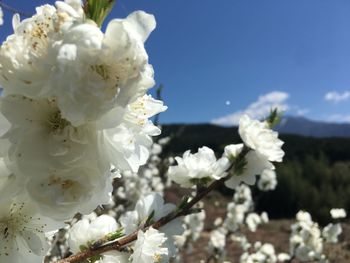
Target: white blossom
(86, 231)
(233, 150)
(252, 221)
(10, 184)
(217, 243)
(235, 216)
(149, 247)
(23, 231)
(114, 257)
(264, 253)
(243, 195)
(192, 168)
(259, 137)
(129, 143)
(267, 180)
(337, 213)
(153, 204)
(331, 232)
(28, 57)
(194, 225)
(306, 242)
(304, 216)
(62, 194)
(218, 238)
(282, 257)
(255, 165)
(98, 72)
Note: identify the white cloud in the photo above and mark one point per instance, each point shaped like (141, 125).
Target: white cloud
(301, 112)
(258, 109)
(336, 97)
(339, 118)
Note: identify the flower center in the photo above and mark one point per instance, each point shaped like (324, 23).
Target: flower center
(113, 75)
(18, 224)
(56, 122)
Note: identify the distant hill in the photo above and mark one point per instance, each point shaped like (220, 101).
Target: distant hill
(306, 127)
(191, 136)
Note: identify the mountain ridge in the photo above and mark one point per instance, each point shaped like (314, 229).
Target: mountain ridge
(293, 125)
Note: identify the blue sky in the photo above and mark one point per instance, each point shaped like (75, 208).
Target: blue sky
(220, 58)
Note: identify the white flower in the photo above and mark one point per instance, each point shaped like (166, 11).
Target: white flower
(235, 216)
(283, 257)
(61, 194)
(22, 232)
(149, 247)
(145, 206)
(233, 150)
(57, 53)
(243, 195)
(201, 166)
(337, 213)
(264, 217)
(97, 72)
(28, 57)
(10, 184)
(218, 238)
(258, 136)
(264, 253)
(304, 216)
(69, 165)
(38, 124)
(129, 143)
(1, 17)
(114, 257)
(194, 224)
(306, 241)
(267, 180)
(252, 221)
(85, 231)
(256, 164)
(331, 232)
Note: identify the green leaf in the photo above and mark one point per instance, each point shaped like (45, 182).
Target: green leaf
(183, 202)
(115, 235)
(83, 248)
(274, 118)
(201, 181)
(150, 218)
(98, 10)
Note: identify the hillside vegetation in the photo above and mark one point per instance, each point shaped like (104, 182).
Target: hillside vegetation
(314, 176)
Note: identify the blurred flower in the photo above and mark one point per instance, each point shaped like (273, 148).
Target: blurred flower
(267, 180)
(338, 213)
(331, 232)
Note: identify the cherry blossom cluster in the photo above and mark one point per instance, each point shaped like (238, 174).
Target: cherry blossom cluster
(76, 134)
(307, 238)
(151, 245)
(262, 147)
(74, 113)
